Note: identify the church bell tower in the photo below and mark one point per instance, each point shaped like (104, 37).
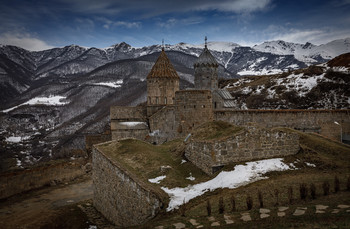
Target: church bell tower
(206, 71)
(162, 83)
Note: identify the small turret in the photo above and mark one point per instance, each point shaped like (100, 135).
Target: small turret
(206, 70)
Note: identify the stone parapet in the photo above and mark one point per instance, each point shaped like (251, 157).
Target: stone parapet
(318, 121)
(119, 196)
(129, 122)
(128, 113)
(253, 143)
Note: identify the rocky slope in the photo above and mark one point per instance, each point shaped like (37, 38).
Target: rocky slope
(324, 86)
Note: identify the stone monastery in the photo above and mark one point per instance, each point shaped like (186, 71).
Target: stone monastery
(126, 200)
(172, 113)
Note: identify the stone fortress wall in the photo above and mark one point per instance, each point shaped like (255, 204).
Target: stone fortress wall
(318, 121)
(193, 108)
(128, 122)
(178, 120)
(162, 125)
(119, 196)
(252, 143)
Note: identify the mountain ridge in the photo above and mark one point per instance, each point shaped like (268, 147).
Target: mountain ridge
(307, 52)
(90, 80)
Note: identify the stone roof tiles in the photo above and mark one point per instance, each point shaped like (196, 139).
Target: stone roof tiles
(163, 68)
(224, 94)
(206, 58)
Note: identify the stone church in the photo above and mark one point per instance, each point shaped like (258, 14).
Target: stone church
(171, 112)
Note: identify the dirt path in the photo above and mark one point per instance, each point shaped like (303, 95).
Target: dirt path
(32, 209)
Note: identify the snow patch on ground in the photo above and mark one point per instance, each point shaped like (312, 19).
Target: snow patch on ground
(241, 175)
(259, 89)
(13, 139)
(157, 180)
(302, 83)
(247, 90)
(49, 101)
(241, 81)
(271, 93)
(310, 164)
(116, 84)
(341, 69)
(18, 163)
(264, 71)
(154, 133)
(292, 66)
(16, 139)
(132, 124)
(191, 178)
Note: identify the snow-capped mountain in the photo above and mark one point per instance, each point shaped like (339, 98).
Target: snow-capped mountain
(51, 99)
(308, 53)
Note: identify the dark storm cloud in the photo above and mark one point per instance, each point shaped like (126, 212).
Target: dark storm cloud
(36, 24)
(159, 7)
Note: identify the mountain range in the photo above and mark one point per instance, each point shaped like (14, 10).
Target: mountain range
(21, 70)
(51, 99)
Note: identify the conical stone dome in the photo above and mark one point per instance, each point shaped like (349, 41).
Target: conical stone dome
(162, 83)
(206, 58)
(163, 68)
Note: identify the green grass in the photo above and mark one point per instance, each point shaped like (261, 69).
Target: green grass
(145, 160)
(325, 153)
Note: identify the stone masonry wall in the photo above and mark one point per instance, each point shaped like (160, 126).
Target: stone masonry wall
(319, 121)
(193, 108)
(250, 144)
(128, 122)
(128, 113)
(161, 90)
(162, 125)
(120, 197)
(206, 77)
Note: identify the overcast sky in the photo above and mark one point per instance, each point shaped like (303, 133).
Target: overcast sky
(43, 24)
